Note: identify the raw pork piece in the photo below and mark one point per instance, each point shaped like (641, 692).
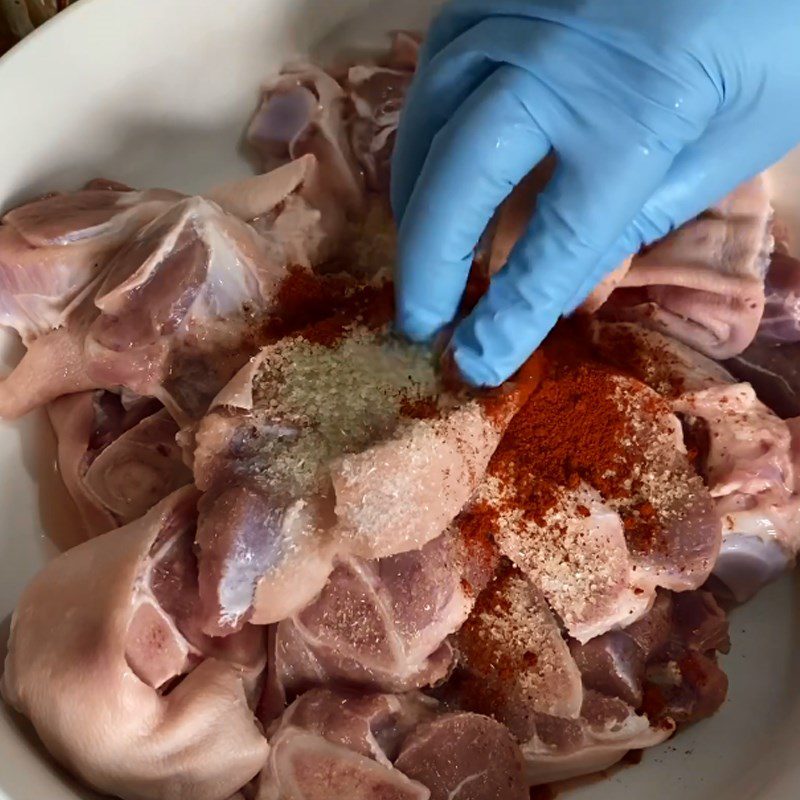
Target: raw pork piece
(560, 749)
(116, 462)
(614, 664)
(743, 450)
(378, 94)
(516, 665)
(339, 744)
(181, 305)
(404, 53)
(750, 467)
(462, 756)
(665, 364)
(683, 682)
(772, 362)
(780, 323)
(349, 126)
(321, 449)
(107, 660)
(53, 252)
(513, 661)
(675, 643)
(54, 248)
(348, 120)
(577, 556)
(381, 625)
(303, 112)
(597, 537)
(704, 283)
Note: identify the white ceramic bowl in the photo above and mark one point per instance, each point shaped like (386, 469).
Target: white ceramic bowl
(156, 93)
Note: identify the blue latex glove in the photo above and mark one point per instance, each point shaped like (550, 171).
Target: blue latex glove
(656, 109)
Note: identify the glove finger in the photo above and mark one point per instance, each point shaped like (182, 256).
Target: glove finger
(701, 176)
(474, 162)
(597, 88)
(583, 210)
(436, 93)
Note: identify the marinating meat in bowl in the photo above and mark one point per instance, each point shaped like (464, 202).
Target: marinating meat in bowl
(316, 565)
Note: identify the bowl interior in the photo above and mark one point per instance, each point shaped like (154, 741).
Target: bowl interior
(157, 93)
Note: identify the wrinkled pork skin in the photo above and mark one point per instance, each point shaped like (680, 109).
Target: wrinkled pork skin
(99, 687)
(169, 311)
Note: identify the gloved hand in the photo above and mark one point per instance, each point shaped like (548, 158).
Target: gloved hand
(655, 110)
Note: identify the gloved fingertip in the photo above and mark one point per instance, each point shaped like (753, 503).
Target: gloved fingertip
(474, 368)
(419, 325)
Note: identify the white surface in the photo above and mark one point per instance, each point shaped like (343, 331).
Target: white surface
(157, 92)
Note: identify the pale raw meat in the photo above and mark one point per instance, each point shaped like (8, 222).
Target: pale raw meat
(607, 729)
(99, 686)
(516, 665)
(747, 563)
(291, 208)
(665, 364)
(378, 94)
(302, 766)
(584, 708)
(681, 546)
(139, 468)
(381, 625)
(580, 563)
(372, 724)
(303, 112)
(53, 252)
(704, 283)
(331, 744)
(180, 305)
(309, 454)
(342, 744)
(54, 364)
(595, 552)
(53, 249)
(780, 323)
(614, 664)
(175, 306)
(115, 463)
(744, 451)
(405, 50)
(684, 682)
(464, 756)
(751, 471)
(680, 630)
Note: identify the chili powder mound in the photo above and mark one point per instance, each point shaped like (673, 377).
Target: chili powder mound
(585, 423)
(323, 307)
